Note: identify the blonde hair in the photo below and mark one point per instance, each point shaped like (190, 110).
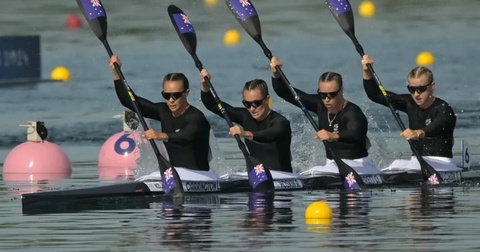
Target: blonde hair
(417, 72)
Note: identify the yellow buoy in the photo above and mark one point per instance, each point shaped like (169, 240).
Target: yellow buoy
(60, 73)
(318, 212)
(425, 59)
(366, 9)
(231, 37)
(210, 2)
(270, 103)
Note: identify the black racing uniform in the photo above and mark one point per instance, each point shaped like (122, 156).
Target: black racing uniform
(438, 121)
(188, 135)
(271, 137)
(350, 123)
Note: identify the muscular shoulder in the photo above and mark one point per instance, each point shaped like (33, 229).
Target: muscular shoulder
(277, 118)
(195, 114)
(353, 111)
(442, 105)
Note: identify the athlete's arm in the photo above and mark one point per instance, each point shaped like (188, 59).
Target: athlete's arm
(235, 114)
(277, 128)
(310, 101)
(148, 108)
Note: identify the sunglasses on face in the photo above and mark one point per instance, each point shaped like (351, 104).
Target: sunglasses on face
(418, 89)
(330, 95)
(174, 95)
(255, 104)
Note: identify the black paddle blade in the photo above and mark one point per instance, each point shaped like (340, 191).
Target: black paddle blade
(246, 15)
(429, 174)
(342, 11)
(351, 179)
(184, 28)
(96, 16)
(172, 185)
(259, 176)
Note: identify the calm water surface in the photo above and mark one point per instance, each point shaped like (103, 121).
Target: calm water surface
(79, 116)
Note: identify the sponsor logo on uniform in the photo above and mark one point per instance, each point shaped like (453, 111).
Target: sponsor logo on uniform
(428, 121)
(335, 128)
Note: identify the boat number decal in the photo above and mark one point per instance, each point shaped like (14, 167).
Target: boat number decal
(371, 179)
(201, 186)
(130, 146)
(287, 184)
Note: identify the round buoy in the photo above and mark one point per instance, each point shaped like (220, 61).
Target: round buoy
(210, 2)
(232, 37)
(366, 9)
(60, 73)
(425, 58)
(118, 155)
(73, 22)
(33, 161)
(270, 103)
(318, 212)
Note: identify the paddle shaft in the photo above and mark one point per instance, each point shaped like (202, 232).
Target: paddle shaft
(136, 108)
(199, 66)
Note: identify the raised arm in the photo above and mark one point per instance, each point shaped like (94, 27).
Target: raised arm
(374, 93)
(148, 108)
(235, 114)
(281, 89)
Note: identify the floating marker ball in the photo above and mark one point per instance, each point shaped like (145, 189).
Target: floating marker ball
(118, 155)
(31, 161)
(73, 22)
(318, 213)
(210, 2)
(270, 103)
(425, 58)
(232, 37)
(366, 9)
(60, 73)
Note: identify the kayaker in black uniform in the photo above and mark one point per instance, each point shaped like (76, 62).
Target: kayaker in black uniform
(185, 129)
(431, 120)
(267, 133)
(341, 122)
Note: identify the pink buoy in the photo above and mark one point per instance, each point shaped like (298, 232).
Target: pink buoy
(118, 155)
(117, 159)
(36, 159)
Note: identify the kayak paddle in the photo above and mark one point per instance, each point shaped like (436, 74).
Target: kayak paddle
(247, 16)
(342, 11)
(259, 176)
(97, 19)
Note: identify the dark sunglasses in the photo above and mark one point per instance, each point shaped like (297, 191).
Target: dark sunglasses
(418, 89)
(174, 95)
(330, 95)
(255, 104)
